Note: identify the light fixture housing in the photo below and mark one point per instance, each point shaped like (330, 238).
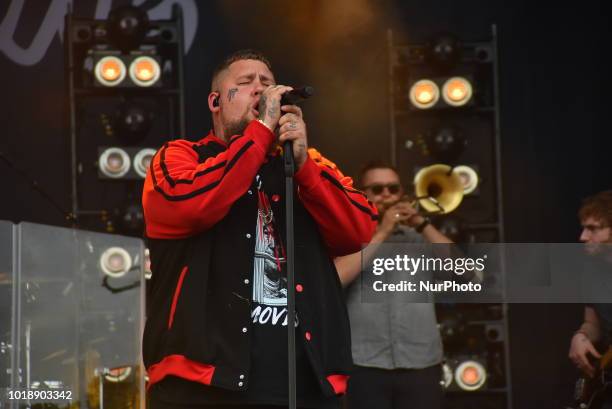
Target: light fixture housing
(142, 160)
(145, 71)
(127, 27)
(457, 91)
(115, 262)
(469, 178)
(110, 71)
(132, 122)
(424, 94)
(470, 375)
(114, 163)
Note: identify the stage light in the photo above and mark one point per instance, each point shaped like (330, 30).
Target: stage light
(114, 163)
(444, 51)
(133, 122)
(470, 375)
(469, 178)
(457, 91)
(144, 71)
(424, 94)
(131, 219)
(127, 27)
(446, 144)
(120, 374)
(110, 71)
(115, 262)
(142, 160)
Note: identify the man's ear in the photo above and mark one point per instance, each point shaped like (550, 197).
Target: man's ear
(213, 101)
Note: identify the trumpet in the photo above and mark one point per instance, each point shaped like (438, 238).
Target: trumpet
(439, 189)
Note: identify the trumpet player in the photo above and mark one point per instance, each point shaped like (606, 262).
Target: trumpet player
(396, 347)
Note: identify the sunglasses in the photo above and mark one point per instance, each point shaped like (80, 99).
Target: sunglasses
(393, 188)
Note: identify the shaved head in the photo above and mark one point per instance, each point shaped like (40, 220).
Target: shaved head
(221, 70)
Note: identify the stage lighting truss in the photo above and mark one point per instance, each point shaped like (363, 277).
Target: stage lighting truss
(470, 375)
(114, 163)
(110, 70)
(115, 262)
(456, 91)
(142, 160)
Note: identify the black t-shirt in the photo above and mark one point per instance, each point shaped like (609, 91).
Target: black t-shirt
(267, 380)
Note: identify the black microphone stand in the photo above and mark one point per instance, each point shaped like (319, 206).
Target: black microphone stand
(289, 173)
(291, 98)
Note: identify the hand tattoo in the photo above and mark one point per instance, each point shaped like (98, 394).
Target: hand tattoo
(262, 108)
(272, 109)
(231, 93)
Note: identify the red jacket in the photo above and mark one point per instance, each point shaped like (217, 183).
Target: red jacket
(200, 206)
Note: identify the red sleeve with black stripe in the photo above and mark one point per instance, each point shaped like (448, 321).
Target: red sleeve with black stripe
(346, 219)
(182, 197)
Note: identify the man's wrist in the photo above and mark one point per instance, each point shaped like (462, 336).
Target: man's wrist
(264, 124)
(589, 331)
(381, 234)
(426, 222)
(581, 332)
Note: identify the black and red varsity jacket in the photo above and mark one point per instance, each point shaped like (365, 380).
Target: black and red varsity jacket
(200, 206)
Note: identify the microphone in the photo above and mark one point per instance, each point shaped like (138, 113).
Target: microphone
(297, 95)
(291, 98)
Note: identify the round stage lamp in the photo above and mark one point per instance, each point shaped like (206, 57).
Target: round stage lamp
(144, 71)
(120, 374)
(114, 163)
(444, 51)
(424, 94)
(469, 178)
(110, 71)
(447, 143)
(133, 122)
(142, 160)
(470, 375)
(457, 91)
(127, 27)
(115, 262)
(131, 219)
